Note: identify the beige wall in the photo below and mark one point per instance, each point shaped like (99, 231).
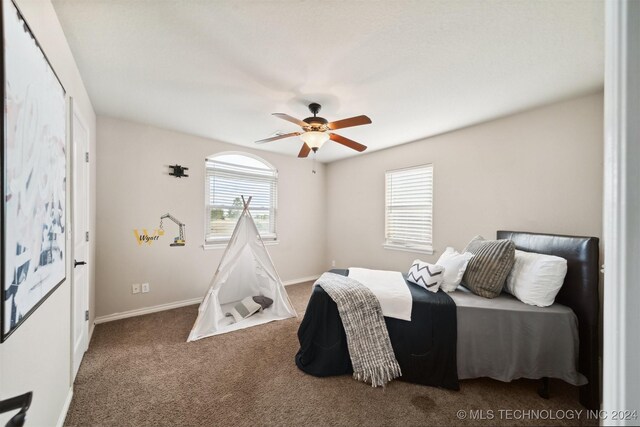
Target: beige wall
(37, 356)
(538, 171)
(134, 190)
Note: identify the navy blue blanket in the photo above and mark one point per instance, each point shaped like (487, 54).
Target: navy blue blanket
(425, 347)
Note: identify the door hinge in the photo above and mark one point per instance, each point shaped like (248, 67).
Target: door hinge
(86, 157)
(86, 315)
(86, 236)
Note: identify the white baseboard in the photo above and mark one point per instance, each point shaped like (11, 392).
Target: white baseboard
(172, 305)
(91, 329)
(300, 280)
(147, 310)
(65, 408)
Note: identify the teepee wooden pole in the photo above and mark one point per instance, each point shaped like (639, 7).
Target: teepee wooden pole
(246, 203)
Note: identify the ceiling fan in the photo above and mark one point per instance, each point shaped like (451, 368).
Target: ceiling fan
(316, 131)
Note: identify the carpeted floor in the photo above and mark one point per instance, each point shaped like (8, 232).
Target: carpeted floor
(142, 372)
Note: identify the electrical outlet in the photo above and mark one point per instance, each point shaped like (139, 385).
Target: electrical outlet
(135, 288)
(333, 263)
(145, 288)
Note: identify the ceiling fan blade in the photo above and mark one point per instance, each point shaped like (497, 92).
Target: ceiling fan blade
(350, 122)
(277, 137)
(288, 118)
(347, 142)
(304, 151)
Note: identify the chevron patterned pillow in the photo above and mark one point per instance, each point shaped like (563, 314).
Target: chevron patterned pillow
(487, 271)
(429, 276)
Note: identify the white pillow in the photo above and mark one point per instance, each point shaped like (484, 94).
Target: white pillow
(536, 279)
(454, 264)
(245, 308)
(427, 275)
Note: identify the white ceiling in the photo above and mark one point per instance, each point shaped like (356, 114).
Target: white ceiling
(417, 68)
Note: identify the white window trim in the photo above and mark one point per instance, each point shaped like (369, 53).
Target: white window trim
(408, 246)
(222, 242)
(420, 249)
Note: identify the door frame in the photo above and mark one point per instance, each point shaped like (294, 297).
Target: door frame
(621, 211)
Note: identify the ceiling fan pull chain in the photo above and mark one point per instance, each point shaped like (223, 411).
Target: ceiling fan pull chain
(313, 167)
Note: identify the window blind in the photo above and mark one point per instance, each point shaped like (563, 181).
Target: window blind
(225, 184)
(409, 208)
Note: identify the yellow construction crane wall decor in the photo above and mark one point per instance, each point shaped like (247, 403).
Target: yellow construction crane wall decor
(180, 240)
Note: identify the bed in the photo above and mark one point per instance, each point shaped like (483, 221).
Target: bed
(447, 338)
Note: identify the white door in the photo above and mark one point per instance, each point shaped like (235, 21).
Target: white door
(80, 232)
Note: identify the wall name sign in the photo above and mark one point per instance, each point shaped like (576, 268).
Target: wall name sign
(143, 237)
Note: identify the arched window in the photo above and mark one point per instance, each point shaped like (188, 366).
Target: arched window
(229, 176)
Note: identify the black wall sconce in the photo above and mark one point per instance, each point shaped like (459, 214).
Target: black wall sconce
(178, 171)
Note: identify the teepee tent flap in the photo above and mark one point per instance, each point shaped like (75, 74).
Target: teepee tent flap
(245, 270)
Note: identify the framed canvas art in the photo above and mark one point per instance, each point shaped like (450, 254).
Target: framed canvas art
(33, 242)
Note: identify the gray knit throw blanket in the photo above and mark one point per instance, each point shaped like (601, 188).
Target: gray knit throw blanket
(368, 341)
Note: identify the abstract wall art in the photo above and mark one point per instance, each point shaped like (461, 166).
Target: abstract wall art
(33, 174)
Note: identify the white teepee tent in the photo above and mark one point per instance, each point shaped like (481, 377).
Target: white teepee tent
(245, 270)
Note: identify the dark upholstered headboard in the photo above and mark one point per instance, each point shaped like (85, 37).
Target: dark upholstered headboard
(579, 292)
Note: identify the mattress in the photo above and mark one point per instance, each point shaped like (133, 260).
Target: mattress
(505, 339)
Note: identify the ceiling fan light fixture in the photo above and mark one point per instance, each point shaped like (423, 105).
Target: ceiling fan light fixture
(317, 130)
(314, 139)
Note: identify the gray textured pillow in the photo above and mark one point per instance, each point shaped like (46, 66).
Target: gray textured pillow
(487, 271)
